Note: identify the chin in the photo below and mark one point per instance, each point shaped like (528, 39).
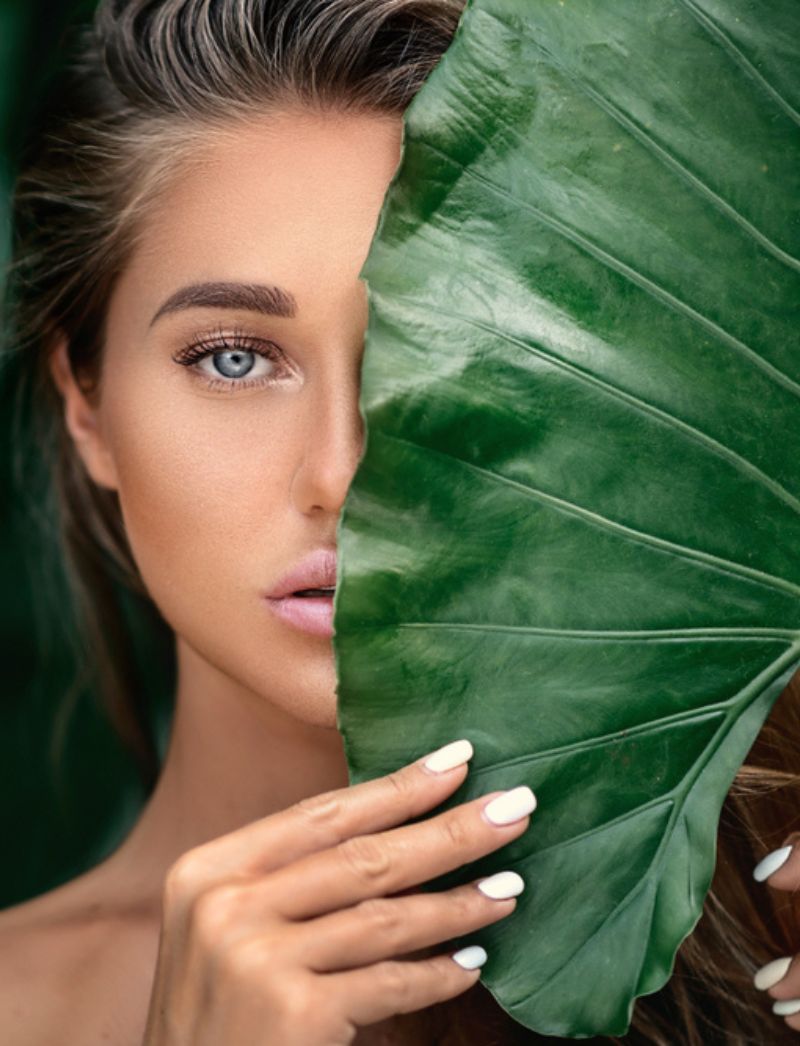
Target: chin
(309, 708)
(313, 705)
(327, 718)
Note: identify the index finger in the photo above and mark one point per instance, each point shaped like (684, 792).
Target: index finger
(323, 820)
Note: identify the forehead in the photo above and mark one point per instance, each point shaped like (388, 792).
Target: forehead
(293, 198)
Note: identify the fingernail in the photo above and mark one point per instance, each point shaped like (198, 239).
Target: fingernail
(771, 863)
(454, 754)
(470, 957)
(502, 885)
(786, 1007)
(769, 975)
(511, 806)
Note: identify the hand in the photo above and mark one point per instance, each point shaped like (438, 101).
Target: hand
(781, 977)
(285, 933)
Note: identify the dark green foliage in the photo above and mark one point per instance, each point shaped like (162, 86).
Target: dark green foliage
(573, 537)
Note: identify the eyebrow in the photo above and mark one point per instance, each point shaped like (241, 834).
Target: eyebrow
(256, 297)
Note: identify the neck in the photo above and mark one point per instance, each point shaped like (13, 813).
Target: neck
(233, 757)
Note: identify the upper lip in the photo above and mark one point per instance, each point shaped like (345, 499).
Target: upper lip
(316, 570)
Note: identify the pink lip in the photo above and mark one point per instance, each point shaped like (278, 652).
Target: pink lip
(312, 614)
(315, 570)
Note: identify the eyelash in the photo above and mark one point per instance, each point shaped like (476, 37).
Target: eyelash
(192, 354)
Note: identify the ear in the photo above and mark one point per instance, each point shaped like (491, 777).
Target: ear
(82, 420)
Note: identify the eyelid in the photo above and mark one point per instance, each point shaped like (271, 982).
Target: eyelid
(198, 348)
(223, 338)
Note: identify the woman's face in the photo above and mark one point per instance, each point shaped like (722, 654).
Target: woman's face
(230, 472)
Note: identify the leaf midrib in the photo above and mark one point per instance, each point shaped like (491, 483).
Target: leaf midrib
(679, 795)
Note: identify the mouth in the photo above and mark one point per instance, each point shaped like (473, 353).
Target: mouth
(308, 609)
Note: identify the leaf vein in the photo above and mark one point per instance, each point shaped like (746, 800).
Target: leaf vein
(728, 634)
(714, 30)
(636, 402)
(619, 736)
(680, 795)
(638, 132)
(630, 274)
(709, 559)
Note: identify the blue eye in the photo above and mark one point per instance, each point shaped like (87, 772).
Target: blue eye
(231, 358)
(232, 363)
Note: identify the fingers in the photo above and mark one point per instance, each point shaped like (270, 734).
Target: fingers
(780, 978)
(374, 993)
(376, 865)
(386, 927)
(322, 821)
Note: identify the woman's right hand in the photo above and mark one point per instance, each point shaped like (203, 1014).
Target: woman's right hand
(285, 933)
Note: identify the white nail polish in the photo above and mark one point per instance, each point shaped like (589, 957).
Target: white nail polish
(511, 806)
(786, 1007)
(470, 957)
(769, 975)
(502, 885)
(771, 863)
(454, 754)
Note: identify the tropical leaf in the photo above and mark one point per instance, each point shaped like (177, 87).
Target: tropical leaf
(574, 534)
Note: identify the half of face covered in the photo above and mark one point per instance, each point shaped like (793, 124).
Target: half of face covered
(230, 468)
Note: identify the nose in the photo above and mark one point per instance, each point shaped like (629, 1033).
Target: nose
(333, 444)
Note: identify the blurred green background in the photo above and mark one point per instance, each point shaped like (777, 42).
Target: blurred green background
(70, 790)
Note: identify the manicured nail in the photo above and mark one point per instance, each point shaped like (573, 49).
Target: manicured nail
(771, 863)
(502, 885)
(470, 957)
(511, 806)
(769, 975)
(786, 1007)
(454, 754)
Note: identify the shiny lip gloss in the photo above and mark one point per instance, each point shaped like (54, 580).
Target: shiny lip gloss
(312, 614)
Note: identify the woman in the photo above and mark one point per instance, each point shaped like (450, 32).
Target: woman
(189, 233)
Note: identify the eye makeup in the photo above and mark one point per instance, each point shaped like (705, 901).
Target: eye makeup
(235, 342)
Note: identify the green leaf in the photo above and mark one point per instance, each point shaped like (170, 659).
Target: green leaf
(574, 536)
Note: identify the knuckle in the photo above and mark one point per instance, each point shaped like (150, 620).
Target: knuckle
(367, 856)
(401, 783)
(324, 1019)
(468, 905)
(297, 1002)
(184, 875)
(320, 811)
(457, 834)
(395, 984)
(384, 918)
(212, 910)
(240, 960)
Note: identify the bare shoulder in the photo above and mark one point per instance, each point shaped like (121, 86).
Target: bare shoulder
(74, 970)
(32, 939)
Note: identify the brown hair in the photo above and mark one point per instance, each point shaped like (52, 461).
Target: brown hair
(146, 80)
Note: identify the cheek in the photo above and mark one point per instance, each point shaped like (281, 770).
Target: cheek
(203, 486)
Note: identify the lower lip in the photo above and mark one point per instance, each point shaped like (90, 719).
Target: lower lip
(312, 614)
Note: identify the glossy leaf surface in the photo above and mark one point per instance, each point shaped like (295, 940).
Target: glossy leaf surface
(574, 534)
